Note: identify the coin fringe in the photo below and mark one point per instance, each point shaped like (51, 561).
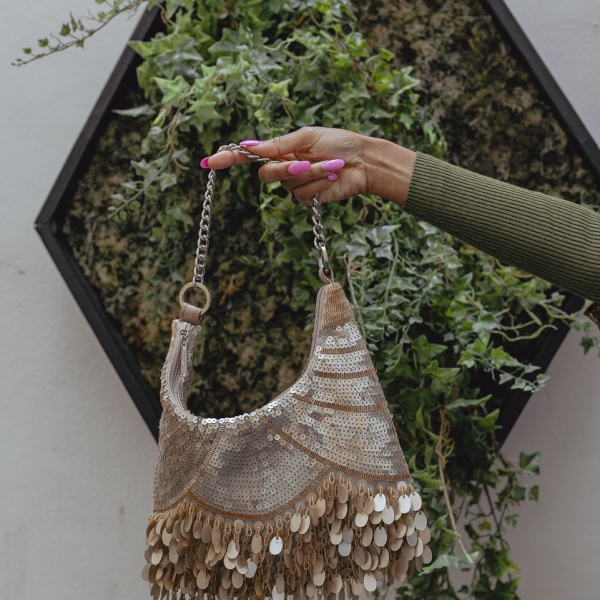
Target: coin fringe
(189, 554)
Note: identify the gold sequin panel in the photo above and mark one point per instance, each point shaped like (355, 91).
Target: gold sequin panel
(335, 415)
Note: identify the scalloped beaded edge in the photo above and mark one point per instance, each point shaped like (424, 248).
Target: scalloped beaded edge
(343, 538)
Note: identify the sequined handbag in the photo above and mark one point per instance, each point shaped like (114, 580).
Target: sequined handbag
(308, 496)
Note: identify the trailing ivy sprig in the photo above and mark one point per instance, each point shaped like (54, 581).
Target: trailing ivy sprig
(76, 30)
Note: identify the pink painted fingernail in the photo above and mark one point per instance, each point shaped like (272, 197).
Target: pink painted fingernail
(333, 177)
(333, 165)
(204, 162)
(299, 167)
(250, 143)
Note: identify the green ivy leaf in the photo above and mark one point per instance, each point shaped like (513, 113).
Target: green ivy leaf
(419, 421)
(426, 350)
(172, 89)
(144, 49)
(167, 180)
(451, 560)
(530, 462)
(464, 402)
(178, 212)
(485, 525)
(280, 87)
(534, 493)
(488, 422)
(386, 54)
(586, 343)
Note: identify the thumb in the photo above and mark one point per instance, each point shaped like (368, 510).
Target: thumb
(280, 145)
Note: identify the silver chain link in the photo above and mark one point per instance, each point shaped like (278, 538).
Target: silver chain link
(205, 222)
(319, 232)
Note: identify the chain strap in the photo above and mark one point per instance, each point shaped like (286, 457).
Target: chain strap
(325, 272)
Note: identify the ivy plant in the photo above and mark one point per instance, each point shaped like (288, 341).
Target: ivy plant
(445, 323)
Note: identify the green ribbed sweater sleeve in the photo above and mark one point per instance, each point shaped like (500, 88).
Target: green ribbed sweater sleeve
(552, 238)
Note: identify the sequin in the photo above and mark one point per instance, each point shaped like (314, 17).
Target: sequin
(426, 535)
(380, 536)
(276, 545)
(405, 504)
(388, 515)
(370, 582)
(379, 502)
(420, 521)
(415, 501)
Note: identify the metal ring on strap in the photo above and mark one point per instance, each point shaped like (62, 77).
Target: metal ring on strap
(197, 286)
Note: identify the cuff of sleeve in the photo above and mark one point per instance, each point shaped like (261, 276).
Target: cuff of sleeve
(430, 181)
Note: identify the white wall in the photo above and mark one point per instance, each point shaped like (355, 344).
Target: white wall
(557, 541)
(77, 461)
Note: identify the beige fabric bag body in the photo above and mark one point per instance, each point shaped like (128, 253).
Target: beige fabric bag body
(308, 496)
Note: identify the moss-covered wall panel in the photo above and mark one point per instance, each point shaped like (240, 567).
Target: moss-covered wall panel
(253, 345)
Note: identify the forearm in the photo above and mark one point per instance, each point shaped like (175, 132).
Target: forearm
(390, 168)
(549, 237)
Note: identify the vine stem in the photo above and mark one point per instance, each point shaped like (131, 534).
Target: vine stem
(444, 427)
(493, 513)
(392, 272)
(360, 319)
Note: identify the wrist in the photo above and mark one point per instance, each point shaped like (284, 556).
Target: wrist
(390, 167)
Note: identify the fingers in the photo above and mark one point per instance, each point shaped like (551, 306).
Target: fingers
(290, 143)
(281, 147)
(227, 158)
(223, 159)
(304, 193)
(302, 177)
(295, 173)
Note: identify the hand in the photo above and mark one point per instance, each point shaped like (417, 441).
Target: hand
(361, 164)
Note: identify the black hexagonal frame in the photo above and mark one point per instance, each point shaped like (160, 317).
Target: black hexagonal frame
(49, 221)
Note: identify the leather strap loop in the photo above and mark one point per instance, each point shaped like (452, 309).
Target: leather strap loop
(190, 314)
